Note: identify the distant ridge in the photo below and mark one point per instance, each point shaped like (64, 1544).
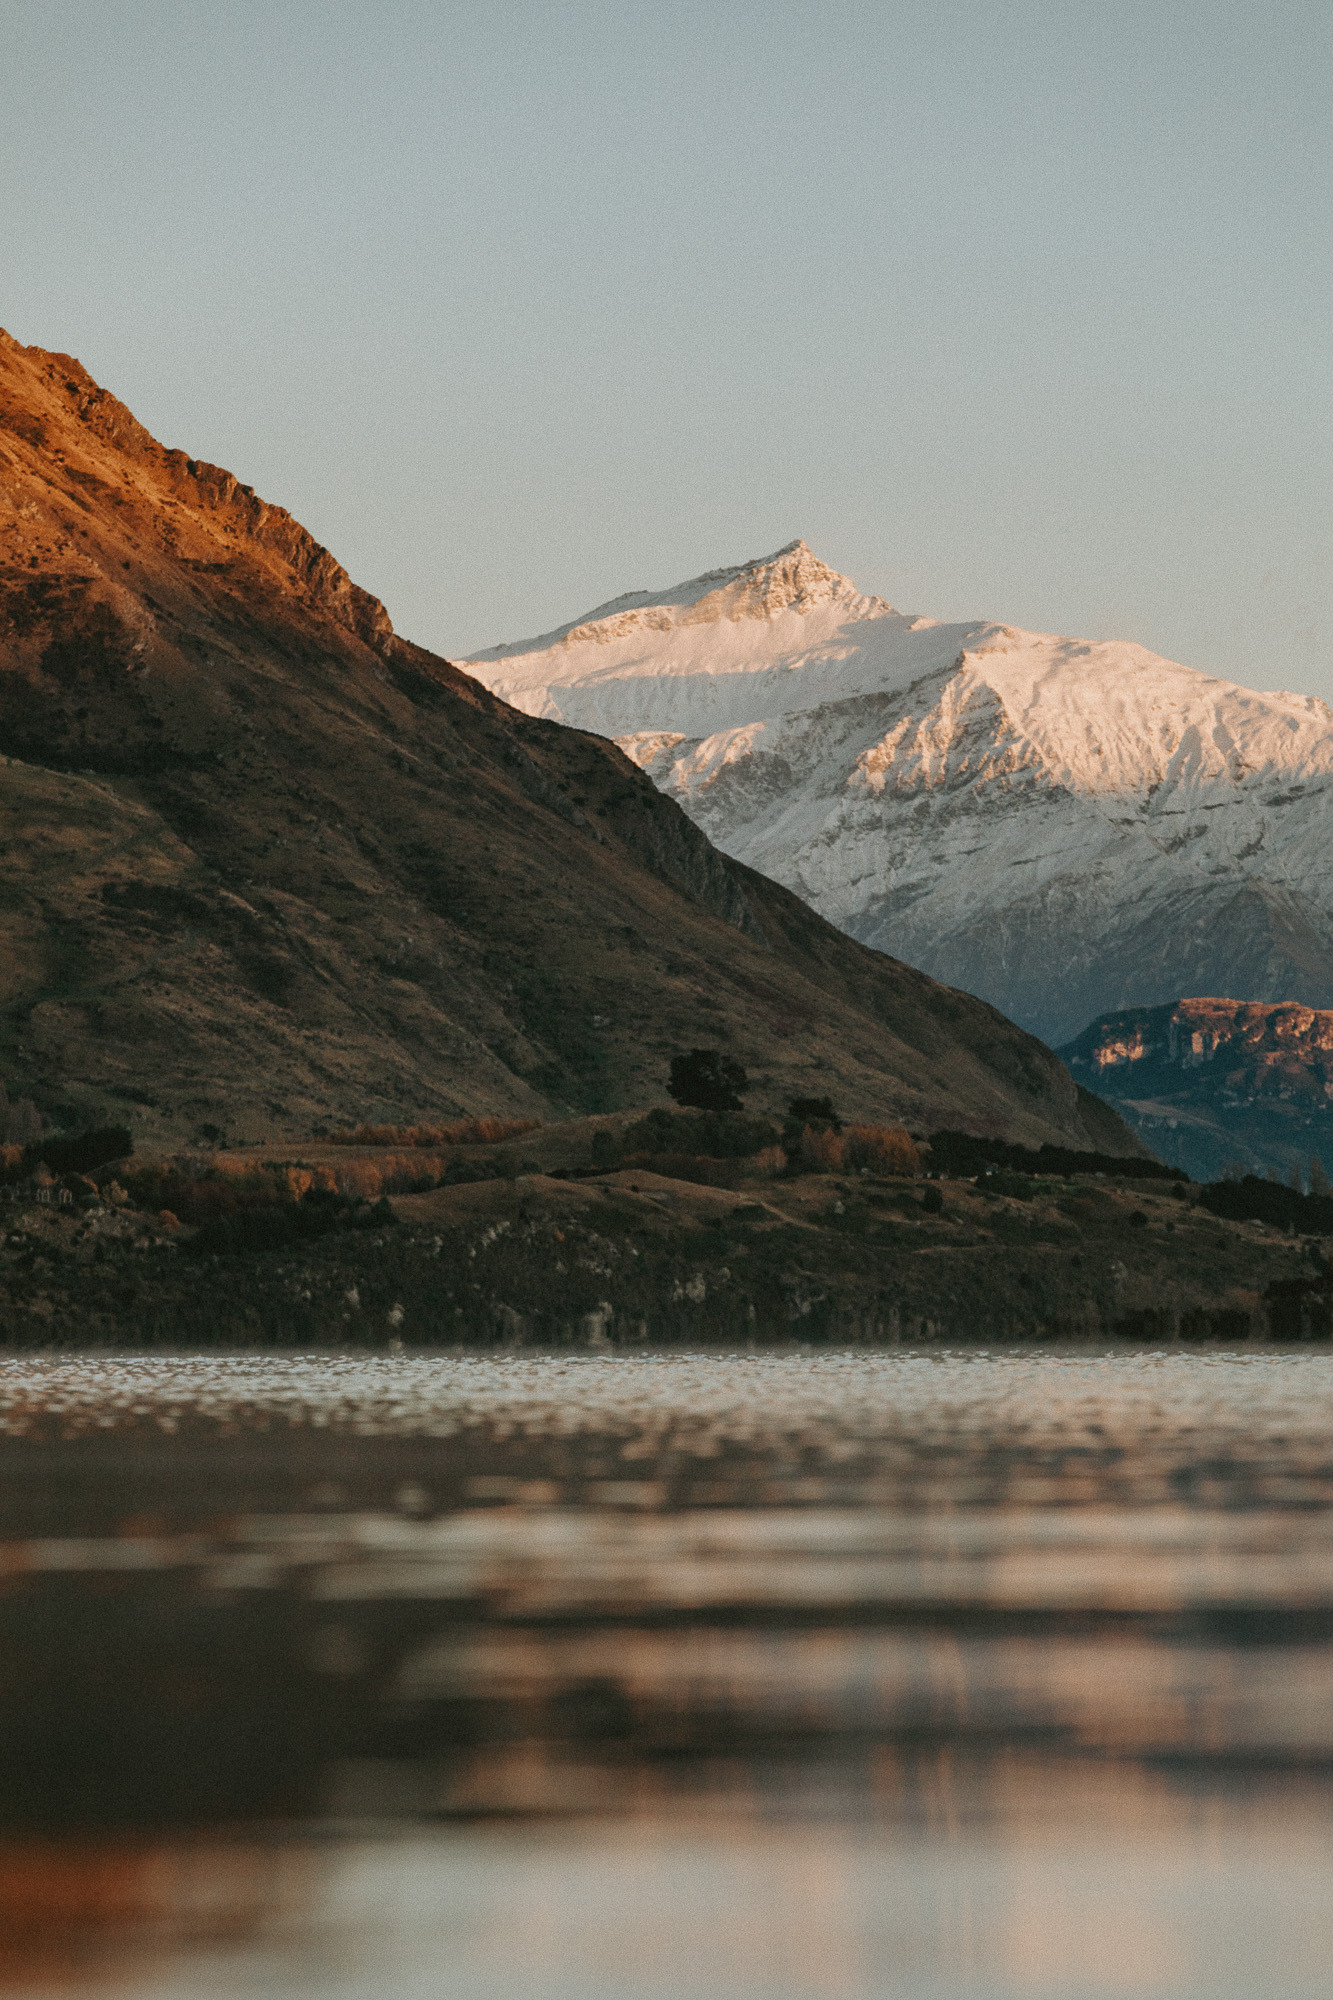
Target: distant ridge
(792, 580)
(1216, 1085)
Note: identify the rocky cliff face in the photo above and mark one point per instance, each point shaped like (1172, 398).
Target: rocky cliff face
(1059, 826)
(1213, 1085)
(265, 865)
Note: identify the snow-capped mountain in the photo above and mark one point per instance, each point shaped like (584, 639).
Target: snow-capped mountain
(1062, 826)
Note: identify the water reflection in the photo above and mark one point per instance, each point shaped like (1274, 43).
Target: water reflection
(777, 1676)
(956, 1877)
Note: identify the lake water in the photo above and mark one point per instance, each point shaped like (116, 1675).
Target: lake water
(938, 1675)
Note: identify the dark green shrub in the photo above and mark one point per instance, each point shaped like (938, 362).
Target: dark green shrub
(460, 1172)
(82, 1151)
(275, 1226)
(706, 1080)
(817, 1113)
(962, 1156)
(705, 1172)
(719, 1135)
(1253, 1200)
(1017, 1186)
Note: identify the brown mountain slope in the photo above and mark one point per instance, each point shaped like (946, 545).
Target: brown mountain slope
(267, 866)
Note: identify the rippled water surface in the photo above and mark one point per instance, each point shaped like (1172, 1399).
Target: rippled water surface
(680, 1675)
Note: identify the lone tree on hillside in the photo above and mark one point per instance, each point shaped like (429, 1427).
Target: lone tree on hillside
(706, 1080)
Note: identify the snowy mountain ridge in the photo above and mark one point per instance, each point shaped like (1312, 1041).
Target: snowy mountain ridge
(793, 579)
(1062, 826)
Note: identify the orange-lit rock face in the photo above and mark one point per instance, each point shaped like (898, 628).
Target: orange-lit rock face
(88, 455)
(1261, 1048)
(122, 564)
(1188, 1065)
(1122, 1049)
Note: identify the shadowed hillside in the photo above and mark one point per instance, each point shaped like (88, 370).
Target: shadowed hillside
(268, 866)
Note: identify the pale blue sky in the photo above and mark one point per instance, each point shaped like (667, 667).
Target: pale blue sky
(1021, 310)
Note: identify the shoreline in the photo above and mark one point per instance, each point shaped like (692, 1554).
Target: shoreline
(633, 1261)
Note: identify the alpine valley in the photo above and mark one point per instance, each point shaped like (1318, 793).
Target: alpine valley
(1066, 828)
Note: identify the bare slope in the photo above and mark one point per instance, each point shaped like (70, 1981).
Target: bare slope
(266, 865)
(1063, 827)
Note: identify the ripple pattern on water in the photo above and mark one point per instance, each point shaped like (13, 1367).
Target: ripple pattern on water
(743, 1397)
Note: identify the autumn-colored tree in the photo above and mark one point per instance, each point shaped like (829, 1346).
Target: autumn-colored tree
(883, 1149)
(821, 1151)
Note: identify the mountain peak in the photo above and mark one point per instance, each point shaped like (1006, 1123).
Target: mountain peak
(1061, 825)
(791, 579)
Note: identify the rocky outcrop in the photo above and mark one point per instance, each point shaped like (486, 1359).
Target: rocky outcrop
(50, 403)
(1213, 1085)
